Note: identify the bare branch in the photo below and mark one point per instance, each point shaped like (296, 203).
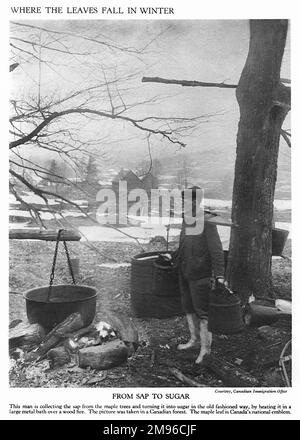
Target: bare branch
(82, 37)
(82, 111)
(186, 83)
(286, 136)
(12, 67)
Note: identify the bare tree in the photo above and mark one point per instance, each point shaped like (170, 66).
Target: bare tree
(72, 123)
(264, 102)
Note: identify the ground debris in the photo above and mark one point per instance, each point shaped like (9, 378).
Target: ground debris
(28, 270)
(183, 378)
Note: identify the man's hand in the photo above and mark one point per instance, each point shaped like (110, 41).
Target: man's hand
(221, 280)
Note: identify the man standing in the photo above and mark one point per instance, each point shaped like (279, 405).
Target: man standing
(199, 258)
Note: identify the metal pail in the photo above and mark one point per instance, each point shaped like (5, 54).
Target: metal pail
(225, 312)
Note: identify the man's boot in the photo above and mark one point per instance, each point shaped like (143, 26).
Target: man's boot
(192, 321)
(205, 339)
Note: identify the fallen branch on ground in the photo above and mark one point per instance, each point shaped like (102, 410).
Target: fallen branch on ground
(180, 376)
(230, 374)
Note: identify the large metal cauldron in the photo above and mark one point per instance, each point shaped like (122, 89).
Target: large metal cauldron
(64, 300)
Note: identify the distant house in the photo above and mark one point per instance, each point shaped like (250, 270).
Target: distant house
(128, 176)
(149, 182)
(146, 182)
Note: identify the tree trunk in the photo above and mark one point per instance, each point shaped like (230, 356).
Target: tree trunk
(264, 102)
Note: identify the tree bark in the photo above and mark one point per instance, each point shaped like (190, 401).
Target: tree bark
(264, 102)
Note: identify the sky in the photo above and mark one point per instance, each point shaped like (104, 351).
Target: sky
(203, 50)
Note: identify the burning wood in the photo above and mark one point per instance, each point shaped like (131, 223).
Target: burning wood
(124, 327)
(72, 323)
(98, 346)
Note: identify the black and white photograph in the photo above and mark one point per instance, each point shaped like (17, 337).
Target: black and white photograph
(150, 237)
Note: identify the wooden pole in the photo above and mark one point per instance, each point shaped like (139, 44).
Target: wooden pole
(46, 235)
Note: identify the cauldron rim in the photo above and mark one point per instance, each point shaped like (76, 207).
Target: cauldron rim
(92, 295)
(137, 257)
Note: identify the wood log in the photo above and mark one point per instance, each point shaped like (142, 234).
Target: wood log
(124, 327)
(257, 315)
(102, 357)
(183, 378)
(58, 356)
(46, 235)
(231, 375)
(25, 334)
(83, 331)
(15, 322)
(72, 323)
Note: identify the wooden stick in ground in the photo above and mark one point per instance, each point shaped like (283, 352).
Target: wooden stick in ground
(180, 376)
(231, 375)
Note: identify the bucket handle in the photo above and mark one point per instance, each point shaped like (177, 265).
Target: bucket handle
(52, 275)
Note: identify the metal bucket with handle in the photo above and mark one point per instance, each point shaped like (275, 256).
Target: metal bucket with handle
(225, 311)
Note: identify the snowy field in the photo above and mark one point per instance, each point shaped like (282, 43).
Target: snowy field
(141, 227)
(103, 233)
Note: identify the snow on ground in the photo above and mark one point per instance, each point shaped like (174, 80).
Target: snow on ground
(141, 227)
(216, 203)
(103, 233)
(37, 200)
(19, 213)
(106, 233)
(114, 265)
